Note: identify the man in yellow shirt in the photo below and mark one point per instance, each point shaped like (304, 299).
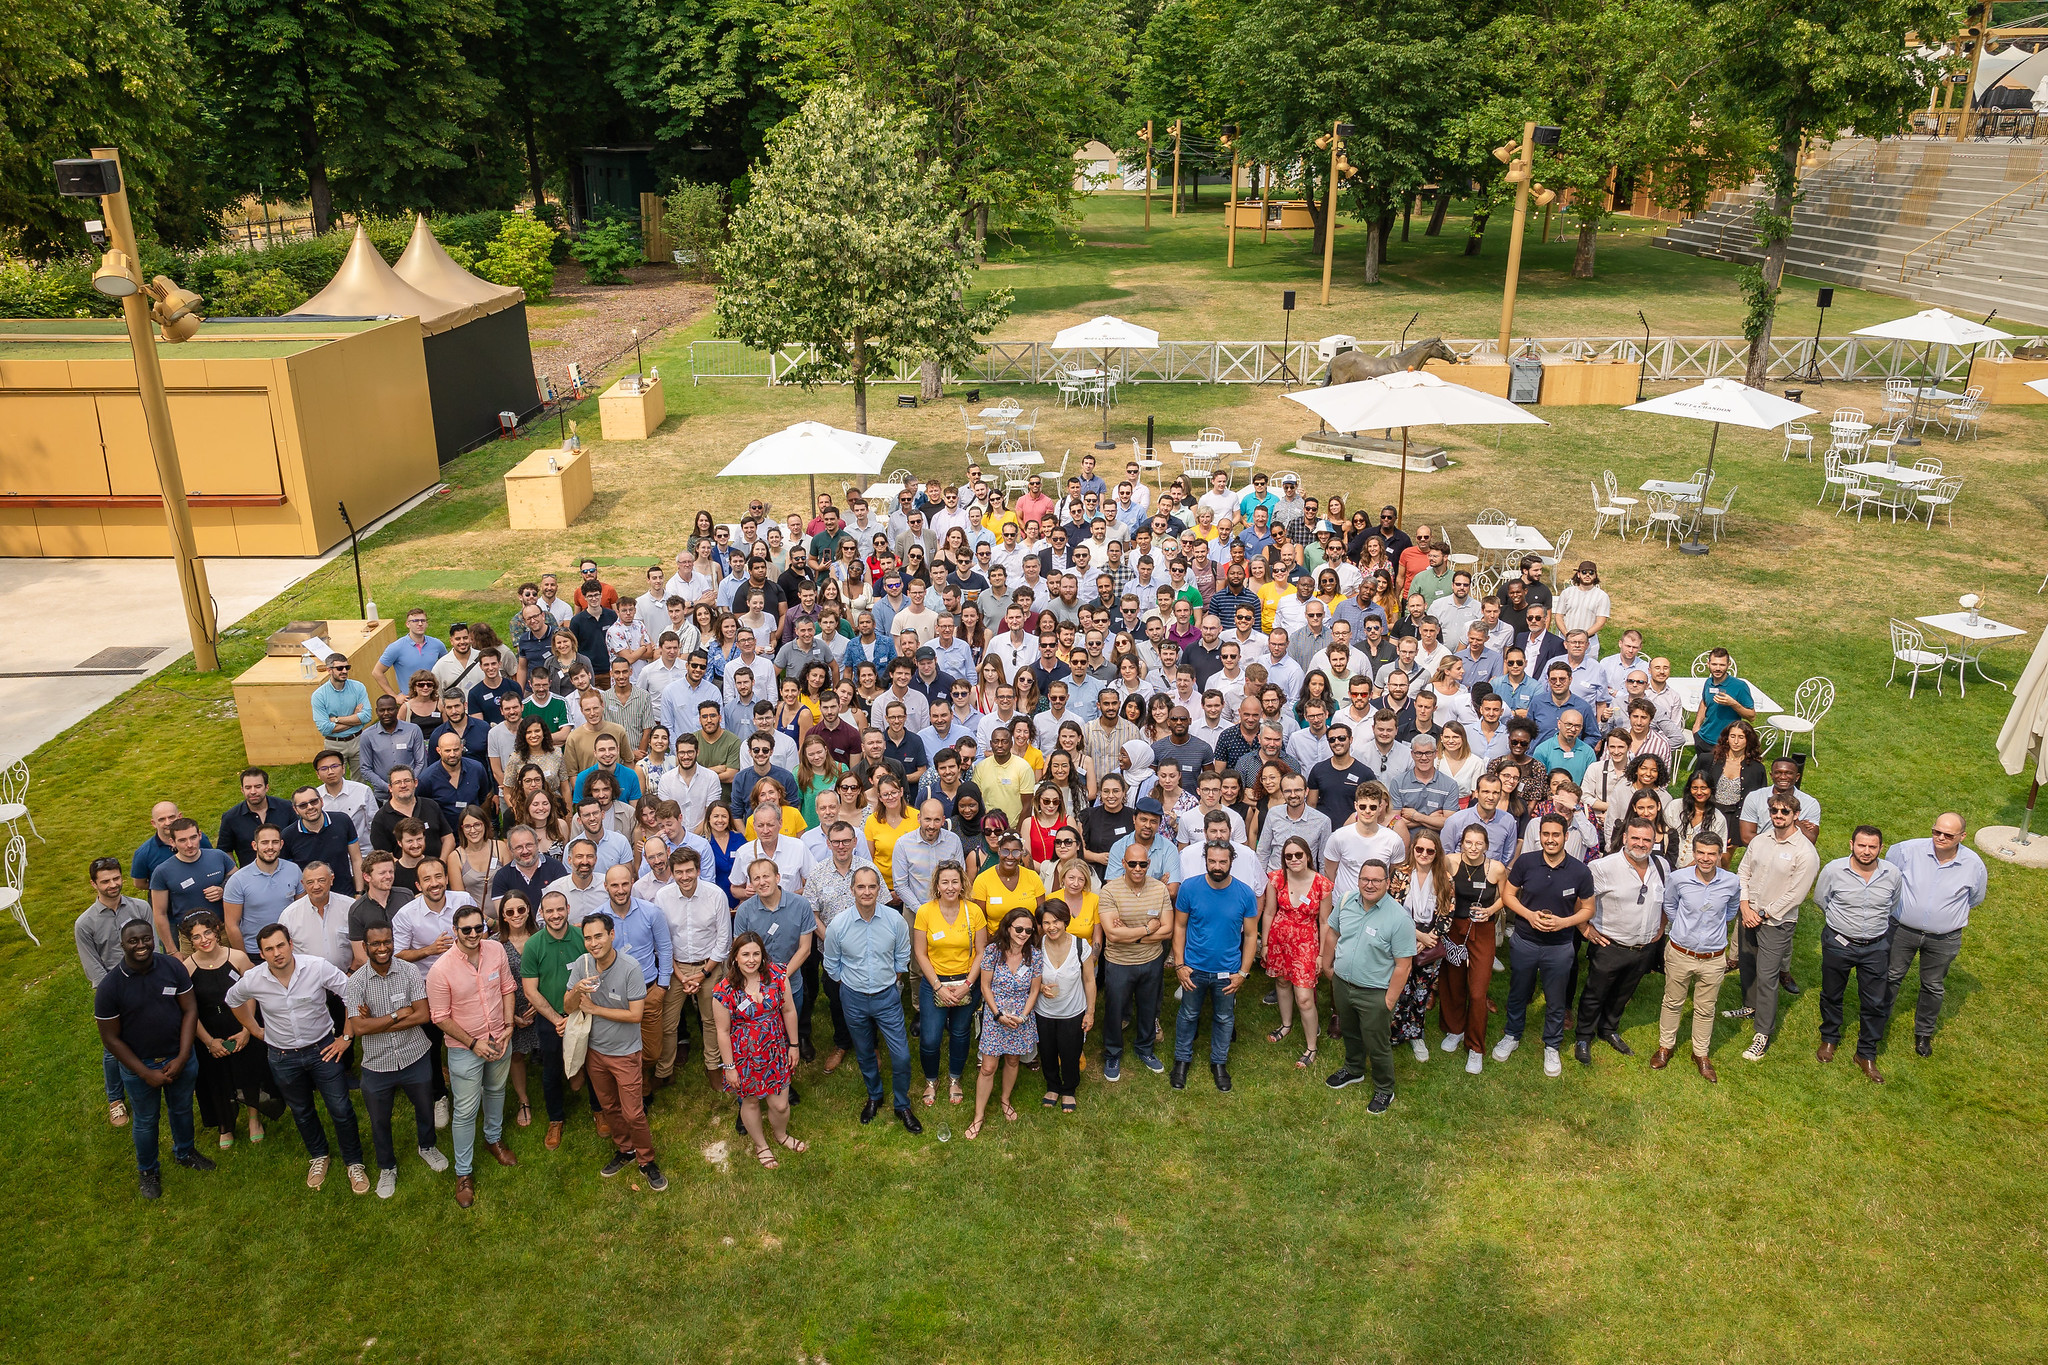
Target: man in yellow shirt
(1005, 779)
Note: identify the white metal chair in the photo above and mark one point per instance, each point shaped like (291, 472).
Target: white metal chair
(15, 884)
(1798, 441)
(1910, 648)
(1858, 493)
(1942, 499)
(974, 429)
(1834, 479)
(1604, 513)
(1846, 415)
(14, 797)
(1700, 664)
(1199, 463)
(1211, 434)
(1717, 517)
(1145, 462)
(1961, 415)
(1898, 398)
(1492, 516)
(1660, 510)
(1487, 578)
(1556, 557)
(1881, 444)
(1809, 704)
(1616, 498)
(1025, 429)
(1245, 462)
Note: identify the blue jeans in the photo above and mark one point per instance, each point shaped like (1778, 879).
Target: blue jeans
(1552, 962)
(936, 1022)
(1222, 1020)
(110, 1072)
(142, 1110)
(299, 1072)
(879, 1018)
(475, 1083)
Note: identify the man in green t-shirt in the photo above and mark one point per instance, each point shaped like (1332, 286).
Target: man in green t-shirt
(717, 747)
(1368, 950)
(549, 708)
(544, 971)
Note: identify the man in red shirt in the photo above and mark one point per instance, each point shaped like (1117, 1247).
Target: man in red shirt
(607, 595)
(1415, 558)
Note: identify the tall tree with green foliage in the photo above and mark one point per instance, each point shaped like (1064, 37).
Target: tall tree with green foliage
(371, 103)
(1810, 70)
(847, 245)
(1009, 89)
(1175, 75)
(75, 74)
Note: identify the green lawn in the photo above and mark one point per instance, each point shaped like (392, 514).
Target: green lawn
(1793, 1212)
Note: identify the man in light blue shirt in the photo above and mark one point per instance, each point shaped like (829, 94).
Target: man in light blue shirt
(1699, 905)
(866, 952)
(1941, 882)
(341, 708)
(1563, 749)
(414, 652)
(1556, 698)
(255, 897)
(953, 654)
(1145, 819)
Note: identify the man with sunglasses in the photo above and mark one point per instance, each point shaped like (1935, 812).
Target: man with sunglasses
(1628, 920)
(1777, 871)
(319, 834)
(341, 708)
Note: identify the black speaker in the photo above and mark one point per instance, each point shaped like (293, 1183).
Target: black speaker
(87, 177)
(1825, 299)
(1287, 301)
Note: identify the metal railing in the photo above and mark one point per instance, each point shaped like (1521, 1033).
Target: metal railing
(2030, 193)
(1270, 362)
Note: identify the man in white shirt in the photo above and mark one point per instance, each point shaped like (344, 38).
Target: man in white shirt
(304, 1053)
(340, 796)
(667, 666)
(918, 616)
(1209, 800)
(700, 928)
(1310, 745)
(1000, 718)
(653, 603)
(769, 843)
(1245, 867)
(627, 640)
(1670, 706)
(1015, 648)
(1378, 749)
(1363, 838)
(582, 887)
(318, 920)
(1220, 501)
(1209, 729)
(951, 515)
(1624, 934)
(1282, 671)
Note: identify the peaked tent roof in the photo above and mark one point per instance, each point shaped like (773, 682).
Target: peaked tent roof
(428, 267)
(366, 286)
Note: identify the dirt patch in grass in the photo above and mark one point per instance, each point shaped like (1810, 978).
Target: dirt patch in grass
(596, 327)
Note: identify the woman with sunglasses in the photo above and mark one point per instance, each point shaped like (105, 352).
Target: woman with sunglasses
(1296, 906)
(515, 927)
(422, 704)
(1011, 970)
(1047, 818)
(946, 942)
(1423, 884)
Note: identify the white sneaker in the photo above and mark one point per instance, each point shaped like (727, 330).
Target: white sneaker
(1453, 1041)
(387, 1183)
(1505, 1048)
(1499, 966)
(432, 1156)
(1421, 1050)
(1758, 1045)
(441, 1112)
(1553, 1065)
(1473, 1064)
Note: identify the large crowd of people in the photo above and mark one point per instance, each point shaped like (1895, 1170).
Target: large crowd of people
(997, 776)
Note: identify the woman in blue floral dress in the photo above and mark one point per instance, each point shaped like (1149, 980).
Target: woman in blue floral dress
(1010, 972)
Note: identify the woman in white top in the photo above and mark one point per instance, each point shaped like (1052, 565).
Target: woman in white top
(1066, 1004)
(1453, 702)
(1584, 605)
(1454, 756)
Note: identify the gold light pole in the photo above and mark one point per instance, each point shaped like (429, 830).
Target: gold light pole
(1174, 128)
(1520, 158)
(1334, 140)
(1148, 175)
(1230, 252)
(1265, 200)
(119, 277)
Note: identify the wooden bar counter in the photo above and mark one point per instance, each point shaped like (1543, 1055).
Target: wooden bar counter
(274, 700)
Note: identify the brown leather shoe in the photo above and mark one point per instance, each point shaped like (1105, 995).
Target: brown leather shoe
(465, 1190)
(1706, 1067)
(1869, 1068)
(1825, 1053)
(554, 1137)
(502, 1152)
(1660, 1059)
(604, 1126)
(834, 1059)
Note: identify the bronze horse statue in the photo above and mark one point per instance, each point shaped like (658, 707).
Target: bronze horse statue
(1348, 366)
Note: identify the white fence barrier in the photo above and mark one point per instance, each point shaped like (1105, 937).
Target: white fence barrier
(1271, 362)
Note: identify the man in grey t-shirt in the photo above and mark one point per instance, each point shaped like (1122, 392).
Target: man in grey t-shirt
(611, 988)
(386, 1000)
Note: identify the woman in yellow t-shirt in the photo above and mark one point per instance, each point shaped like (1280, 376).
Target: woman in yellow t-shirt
(767, 796)
(1083, 919)
(1265, 589)
(1009, 885)
(946, 940)
(891, 820)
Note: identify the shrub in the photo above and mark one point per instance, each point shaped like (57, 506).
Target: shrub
(606, 248)
(520, 256)
(52, 289)
(695, 222)
(473, 232)
(253, 293)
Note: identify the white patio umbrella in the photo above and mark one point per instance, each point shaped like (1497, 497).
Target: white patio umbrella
(1106, 334)
(2023, 742)
(810, 448)
(1936, 327)
(1723, 401)
(2039, 386)
(1410, 398)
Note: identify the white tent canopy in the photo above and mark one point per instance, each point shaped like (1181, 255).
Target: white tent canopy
(1937, 327)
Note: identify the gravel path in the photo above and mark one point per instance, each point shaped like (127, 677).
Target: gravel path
(593, 324)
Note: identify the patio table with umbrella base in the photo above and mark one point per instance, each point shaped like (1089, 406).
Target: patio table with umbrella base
(810, 448)
(1106, 334)
(1722, 401)
(1409, 398)
(1936, 327)
(2023, 748)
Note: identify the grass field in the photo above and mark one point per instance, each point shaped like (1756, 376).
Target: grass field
(1793, 1212)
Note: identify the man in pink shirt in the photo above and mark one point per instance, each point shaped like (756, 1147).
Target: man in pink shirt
(1034, 505)
(467, 994)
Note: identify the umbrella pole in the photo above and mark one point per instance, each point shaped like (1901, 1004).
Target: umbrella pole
(1912, 436)
(1696, 546)
(1401, 497)
(1105, 443)
(2027, 823)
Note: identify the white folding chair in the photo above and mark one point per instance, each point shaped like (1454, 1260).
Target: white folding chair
(1798, 441)
(1615, 498)
(1809, 704)
(15, 884)
(1604, 513)
(1717, 517)
(1910, 648)
(1943, 500)
(14, 798)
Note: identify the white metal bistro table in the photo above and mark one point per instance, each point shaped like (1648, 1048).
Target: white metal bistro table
(1206, 448)
(1985, 631)
(1680, 489)
(1896, 473)
(1002, 411)
(1690, 690)
(1501, 539)
(1006, 458)
(1853, 428)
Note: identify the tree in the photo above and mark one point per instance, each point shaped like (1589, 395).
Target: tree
(1176, 76)
(1812, 70)
(846, 245)
(372, 102)
(695, 222)
(75, 74)
(1008, 88)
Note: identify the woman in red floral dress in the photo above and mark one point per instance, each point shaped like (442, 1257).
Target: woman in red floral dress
(1296, 904)
(756, 1023)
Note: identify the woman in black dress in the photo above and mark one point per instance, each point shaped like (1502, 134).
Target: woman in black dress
(232, 1065)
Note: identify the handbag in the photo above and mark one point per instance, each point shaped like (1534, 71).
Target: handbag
(575, 1042)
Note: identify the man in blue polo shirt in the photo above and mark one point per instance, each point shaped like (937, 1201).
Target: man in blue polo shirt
(1215, 930)
(414, 652)
(256, 896)
(1551, 892)
(1724, 700)
(148, 1017)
